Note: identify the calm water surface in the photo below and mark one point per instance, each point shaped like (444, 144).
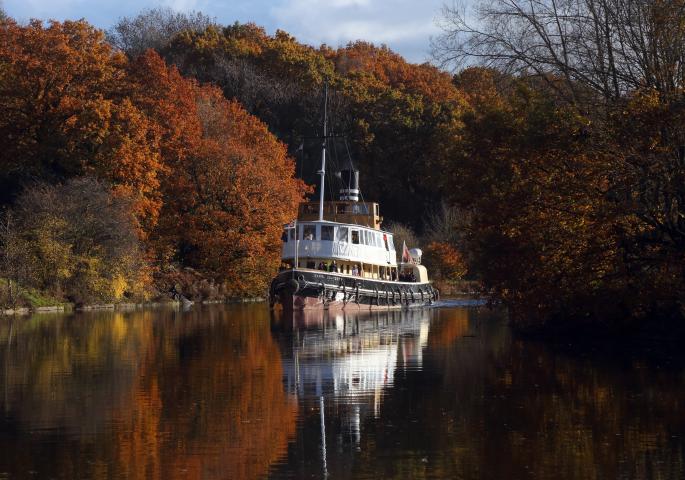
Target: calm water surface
(234, 393)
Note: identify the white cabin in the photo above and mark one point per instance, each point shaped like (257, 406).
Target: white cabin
(307, 244)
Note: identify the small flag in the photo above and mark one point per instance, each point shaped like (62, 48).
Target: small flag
(405, 253)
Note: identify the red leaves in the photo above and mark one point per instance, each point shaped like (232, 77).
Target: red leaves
(229, 185)
(64, 115)
(211, 186)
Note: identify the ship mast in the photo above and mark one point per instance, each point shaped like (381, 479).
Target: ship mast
(322, 172)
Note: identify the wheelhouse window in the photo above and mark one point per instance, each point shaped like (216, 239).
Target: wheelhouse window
(327, 232)
(342, 235)
(309, 232)
(355, 237)
(360, 208)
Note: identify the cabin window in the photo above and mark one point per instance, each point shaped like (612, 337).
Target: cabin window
(355, 236)
(291, 234)
(379, 240)
(392, 247)
(327, 232)
(340, 208)
(342, 234)
(360, 208)
(309, 232)
(385, 241)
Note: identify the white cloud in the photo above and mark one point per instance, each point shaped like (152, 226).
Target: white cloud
(404, 25)
(182, 5)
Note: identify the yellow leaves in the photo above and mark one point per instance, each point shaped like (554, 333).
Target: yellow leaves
(119, 286)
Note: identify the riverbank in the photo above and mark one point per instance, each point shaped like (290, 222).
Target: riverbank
(17, 299)
(119, 306)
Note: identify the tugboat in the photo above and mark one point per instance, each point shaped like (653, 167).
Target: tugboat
(336, 256)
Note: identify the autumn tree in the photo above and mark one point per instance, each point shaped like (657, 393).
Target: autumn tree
(208, 185)
(64, 116)
(76, 241)
(229, 186)
(445, 262)
(401, 119)
(573, 156)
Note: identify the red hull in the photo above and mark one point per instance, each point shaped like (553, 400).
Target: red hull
(303, 303)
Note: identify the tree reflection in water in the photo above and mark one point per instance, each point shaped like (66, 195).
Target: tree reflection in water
(143, 395)
(230, 392)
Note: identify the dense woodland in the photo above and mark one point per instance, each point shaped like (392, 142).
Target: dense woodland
(550, 168)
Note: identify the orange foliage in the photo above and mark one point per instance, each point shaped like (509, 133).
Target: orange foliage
(445, 261)
(211, 186)
(64, 116)
(230, 185)
(240, 427)
(391, 70)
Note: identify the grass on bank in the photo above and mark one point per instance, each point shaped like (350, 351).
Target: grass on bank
(22, 297)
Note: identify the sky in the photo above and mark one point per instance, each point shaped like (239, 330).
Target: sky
(403, 25)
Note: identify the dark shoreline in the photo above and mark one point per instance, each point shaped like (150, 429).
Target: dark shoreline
(67, 308)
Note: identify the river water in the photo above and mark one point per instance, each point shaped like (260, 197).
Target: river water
(232, 392)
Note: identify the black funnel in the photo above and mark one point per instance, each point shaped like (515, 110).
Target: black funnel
(349, 190)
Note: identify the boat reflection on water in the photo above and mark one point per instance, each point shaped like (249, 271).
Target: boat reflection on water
(339, 364)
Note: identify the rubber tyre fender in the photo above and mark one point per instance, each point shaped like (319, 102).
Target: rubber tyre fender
(293, 286)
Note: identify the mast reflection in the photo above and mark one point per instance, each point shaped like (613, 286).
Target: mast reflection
(339, 364)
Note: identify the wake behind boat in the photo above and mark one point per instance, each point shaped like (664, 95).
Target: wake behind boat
(336, 256)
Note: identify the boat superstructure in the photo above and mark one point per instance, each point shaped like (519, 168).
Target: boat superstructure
(336, 255)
